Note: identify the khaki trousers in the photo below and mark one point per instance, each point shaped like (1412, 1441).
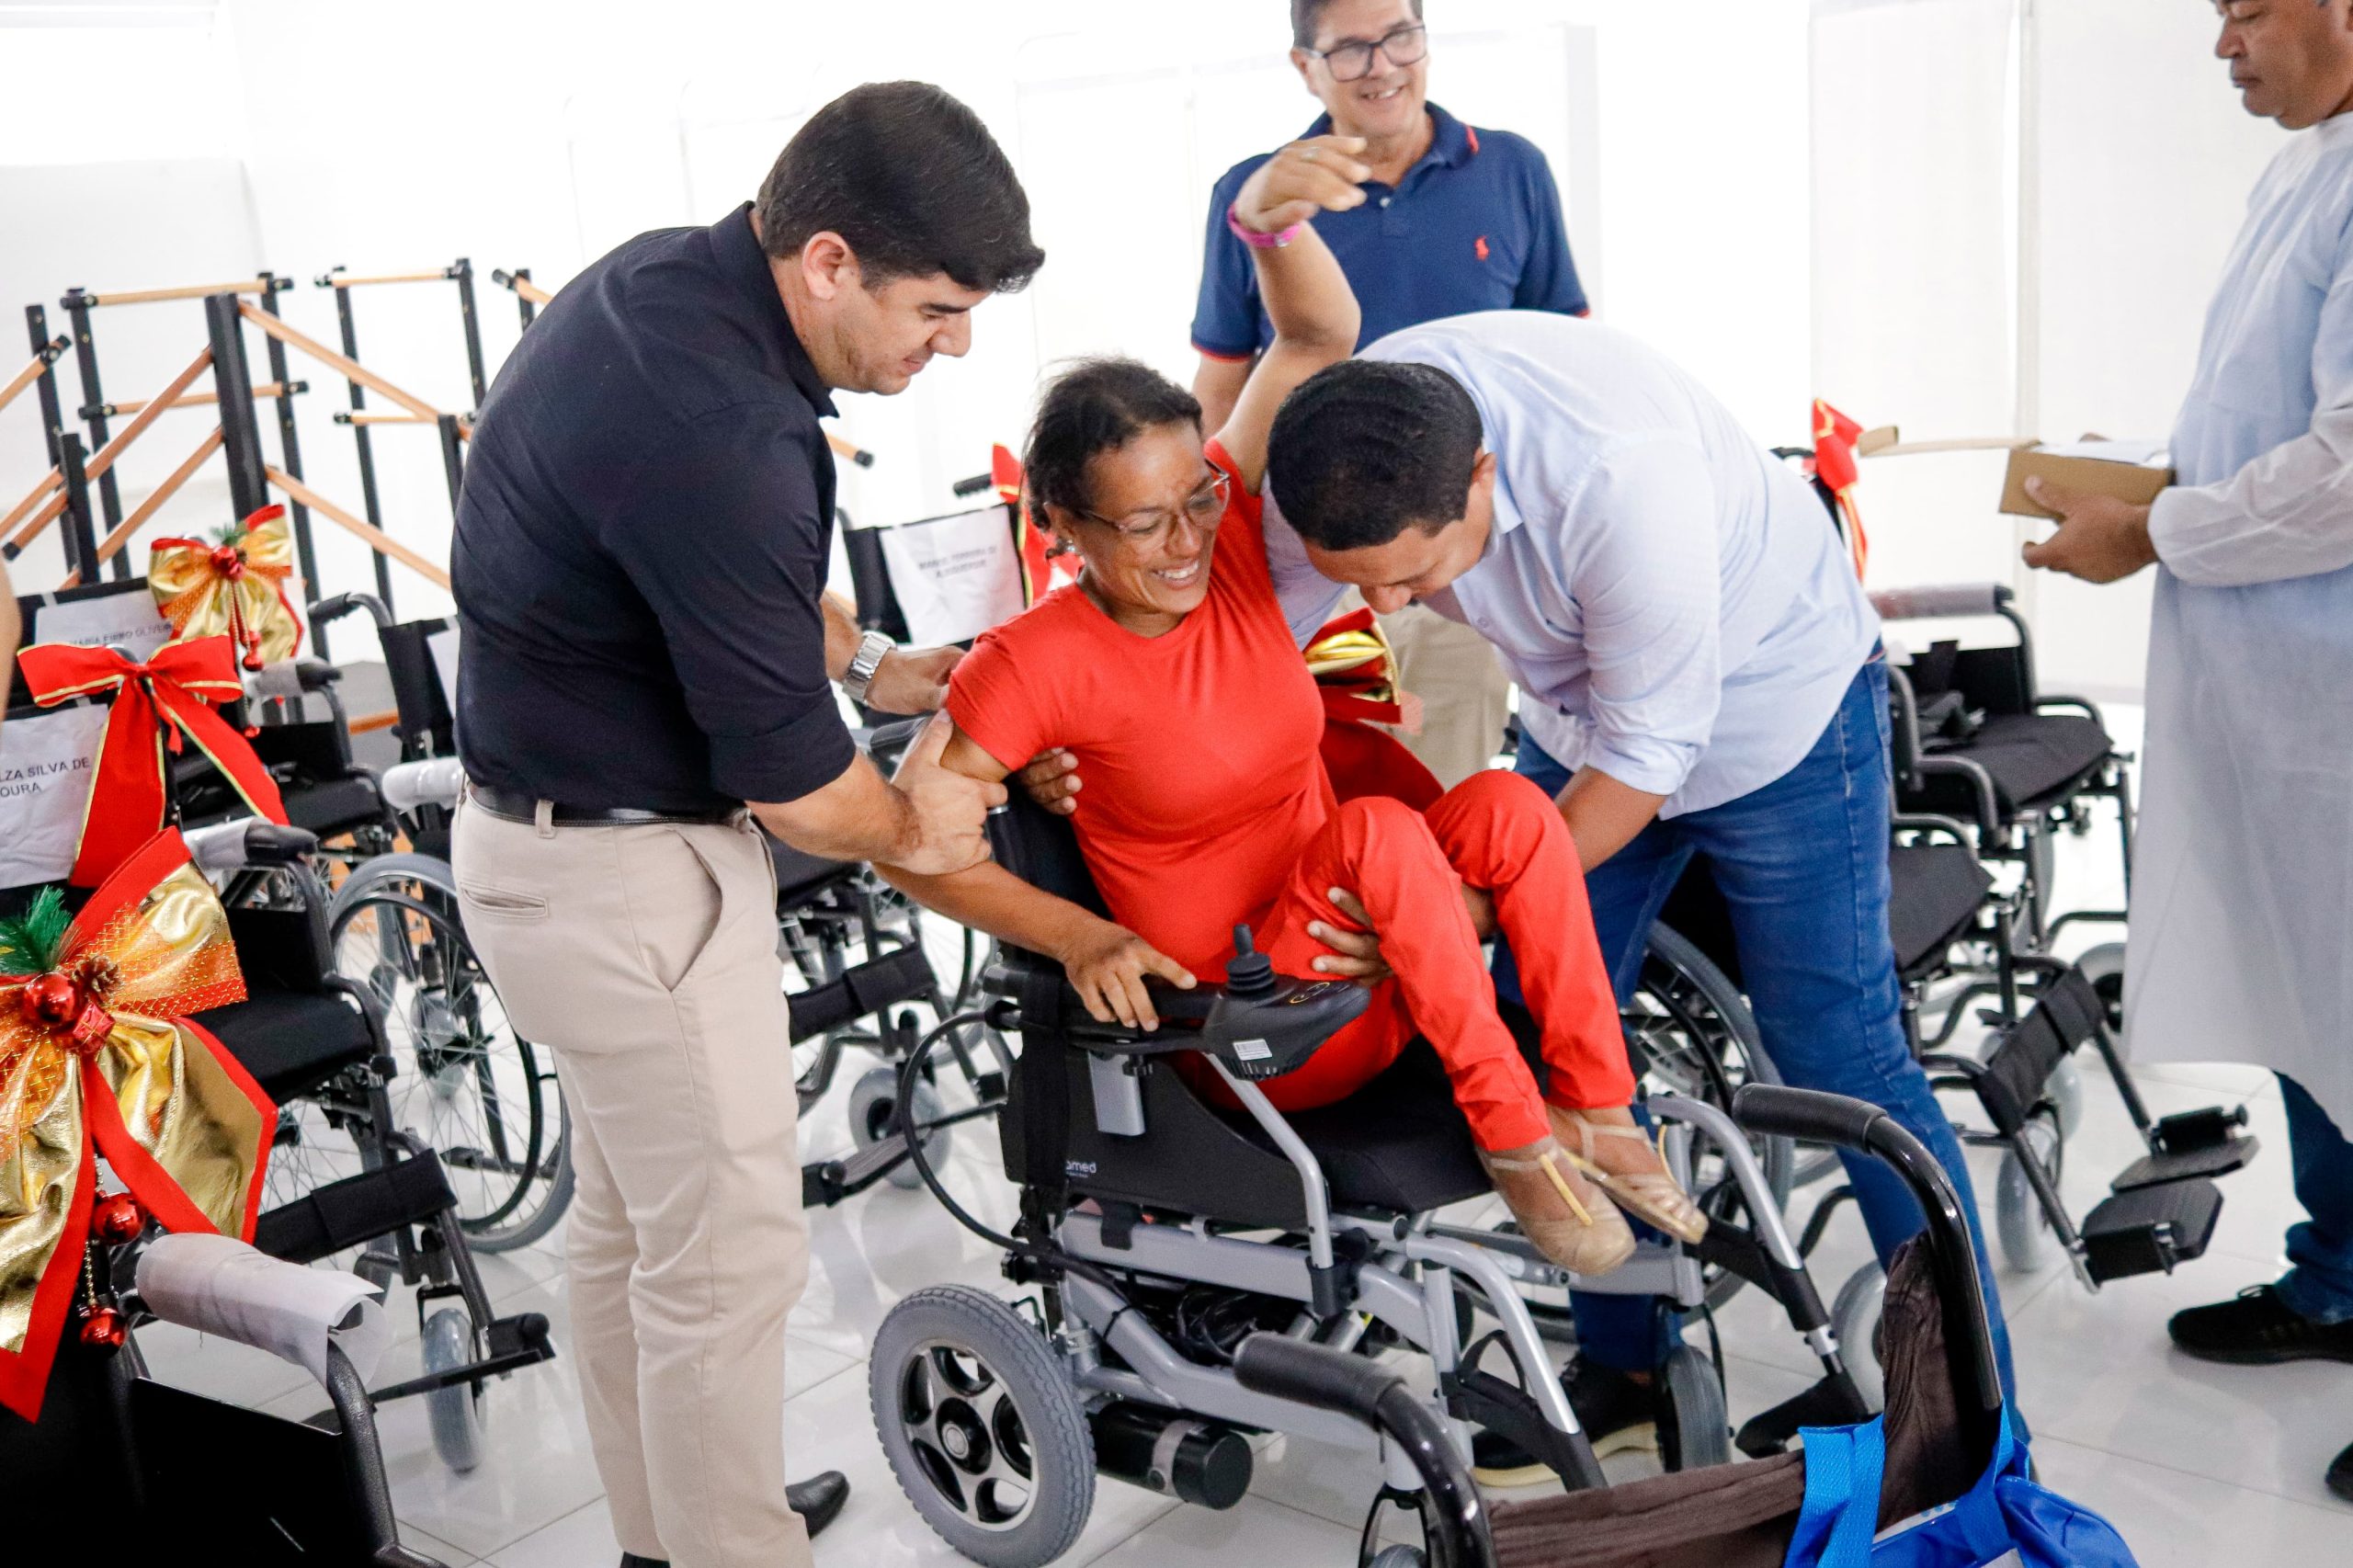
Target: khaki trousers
(645, 956)
(1466, 696)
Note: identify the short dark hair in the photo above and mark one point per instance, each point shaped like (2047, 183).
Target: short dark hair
(1364, 449)
(1306, 15)
(913, 180)
(1098, 405)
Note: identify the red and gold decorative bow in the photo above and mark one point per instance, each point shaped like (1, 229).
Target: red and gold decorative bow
(1836, 466)
(98, 1058)
(236, 586)
(167, 696)
(1356, 671)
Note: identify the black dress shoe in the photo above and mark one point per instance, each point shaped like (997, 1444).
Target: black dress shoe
(2340, 1475)
(1617, 1415)
(2256, 1328)
(819, 1499)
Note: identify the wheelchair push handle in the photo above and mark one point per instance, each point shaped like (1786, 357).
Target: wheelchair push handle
(1812, 1117)
(1315, 1375)
(326, 611)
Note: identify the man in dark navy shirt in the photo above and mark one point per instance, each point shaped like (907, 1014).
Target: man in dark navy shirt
(645, 682)
(1456, 220)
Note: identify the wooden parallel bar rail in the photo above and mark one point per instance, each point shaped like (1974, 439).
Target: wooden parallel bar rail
(31, 372)
(193, 291)
(103, 458)
(1921, 448)
(197, 399)
(17, 513)
(343, 280)
(113, 542)
(351, 369)
(377, 539)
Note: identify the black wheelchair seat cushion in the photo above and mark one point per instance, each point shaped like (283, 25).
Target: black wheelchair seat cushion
(1937, 889)
(1398, 1145)
(335, 805)
(291, 1041)
(799, 877)
(2034, 759)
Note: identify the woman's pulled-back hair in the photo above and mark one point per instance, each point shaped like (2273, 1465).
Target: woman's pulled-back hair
(1098, 405)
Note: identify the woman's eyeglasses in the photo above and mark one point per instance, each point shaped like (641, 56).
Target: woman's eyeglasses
(1202, 509)
(1353, 62)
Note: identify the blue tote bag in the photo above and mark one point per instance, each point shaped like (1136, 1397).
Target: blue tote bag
(2007, 1521)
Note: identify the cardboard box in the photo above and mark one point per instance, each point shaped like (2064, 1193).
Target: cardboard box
(2125, 476)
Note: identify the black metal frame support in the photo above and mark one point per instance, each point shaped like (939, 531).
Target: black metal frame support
(85, 359)
(461, 272)
(453, 457)
(53, 413)
(239, 426)
(367, 498)
(81, 536)
(290, 451)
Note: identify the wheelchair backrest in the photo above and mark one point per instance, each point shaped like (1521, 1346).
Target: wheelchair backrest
(1042, 850)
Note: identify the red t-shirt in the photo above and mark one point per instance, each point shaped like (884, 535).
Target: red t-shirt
(1198, 747)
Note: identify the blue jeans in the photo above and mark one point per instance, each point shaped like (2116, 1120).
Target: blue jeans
(1803, 865)
(2319, 1282)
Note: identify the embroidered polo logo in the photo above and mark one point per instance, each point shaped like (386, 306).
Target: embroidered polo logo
(1479, 248)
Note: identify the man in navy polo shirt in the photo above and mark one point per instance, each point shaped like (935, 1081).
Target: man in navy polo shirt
(1456, 220)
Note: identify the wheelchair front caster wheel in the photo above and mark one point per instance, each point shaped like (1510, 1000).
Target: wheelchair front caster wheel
(456, 1410)
(1854, 1318)
(2019, 1217)
(983, 1428)
(871, 1100)
(1694, 1431)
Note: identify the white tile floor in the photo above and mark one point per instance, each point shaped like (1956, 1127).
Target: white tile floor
(2196, 1464)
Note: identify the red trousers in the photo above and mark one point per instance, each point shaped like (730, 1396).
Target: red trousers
(1496, 830)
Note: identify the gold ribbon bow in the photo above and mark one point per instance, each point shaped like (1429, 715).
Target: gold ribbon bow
(97, 1058)
(1356, 668)
(236, 585)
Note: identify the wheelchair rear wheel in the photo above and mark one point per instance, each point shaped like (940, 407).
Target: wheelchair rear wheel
(982, 1426)
(1690, 1030)
(469, 1085)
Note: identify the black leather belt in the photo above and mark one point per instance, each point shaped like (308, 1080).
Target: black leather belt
(517, 807)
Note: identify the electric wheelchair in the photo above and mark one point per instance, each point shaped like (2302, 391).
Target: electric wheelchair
(1158, 1232)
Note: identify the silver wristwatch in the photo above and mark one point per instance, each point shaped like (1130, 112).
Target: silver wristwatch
(872, 649)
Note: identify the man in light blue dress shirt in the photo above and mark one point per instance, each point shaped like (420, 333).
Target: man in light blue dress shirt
(1700, 675)
(2241, 916)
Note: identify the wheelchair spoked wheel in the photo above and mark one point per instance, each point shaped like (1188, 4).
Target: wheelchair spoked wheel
(454, 1412)
(318, 1141)
(2020, 1220)
(486, 1099)
(982, 1426)
(1690, 1031)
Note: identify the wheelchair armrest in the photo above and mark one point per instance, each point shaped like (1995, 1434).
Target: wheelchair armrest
(233, 846)
(1254, 1036)
(1928, 822)
(1941, 601)
(2083, 705)
(1981, 783)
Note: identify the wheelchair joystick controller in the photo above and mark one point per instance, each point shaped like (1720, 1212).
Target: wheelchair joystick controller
(1265, 1024)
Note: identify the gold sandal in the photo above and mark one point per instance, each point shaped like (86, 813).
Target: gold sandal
(1653, 1197)
(1590, 1240)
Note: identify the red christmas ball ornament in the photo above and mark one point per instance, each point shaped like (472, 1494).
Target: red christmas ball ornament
(51, 1000)
(103, 1329)
(228, 560)
(117, 1218)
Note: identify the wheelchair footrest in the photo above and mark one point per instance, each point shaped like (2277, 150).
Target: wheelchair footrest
(2148, 1229)
(2197, 1163)
(356, 1209)
(2187, 1131)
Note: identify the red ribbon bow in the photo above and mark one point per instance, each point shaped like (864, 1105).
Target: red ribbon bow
(170, 696)
(1838, 466)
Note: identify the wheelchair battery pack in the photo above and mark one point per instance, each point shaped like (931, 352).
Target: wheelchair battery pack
(355, 1210)
(2149, 1229)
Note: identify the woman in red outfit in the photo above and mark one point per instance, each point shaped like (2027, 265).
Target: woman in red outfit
(1168, 670)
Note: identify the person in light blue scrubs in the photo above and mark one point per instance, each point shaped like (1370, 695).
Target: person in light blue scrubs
(2240, 939)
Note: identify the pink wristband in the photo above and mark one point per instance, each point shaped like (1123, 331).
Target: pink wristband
(1255, 240)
